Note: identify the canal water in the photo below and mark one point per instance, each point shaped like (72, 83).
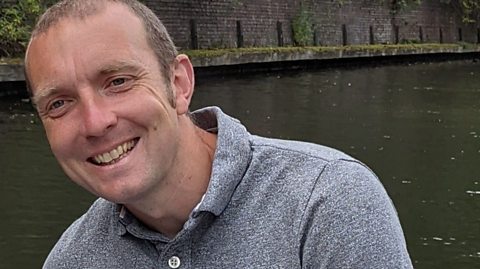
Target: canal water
(417, 126)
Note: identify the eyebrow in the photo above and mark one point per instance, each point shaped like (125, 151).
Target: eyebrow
(43, 94)
(119, 66)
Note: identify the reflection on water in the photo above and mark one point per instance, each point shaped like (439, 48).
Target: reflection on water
(416, 126)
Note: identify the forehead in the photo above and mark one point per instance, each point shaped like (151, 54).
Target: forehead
(114, 33)
(111, 19)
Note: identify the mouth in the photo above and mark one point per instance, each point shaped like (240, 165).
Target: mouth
(114, 155)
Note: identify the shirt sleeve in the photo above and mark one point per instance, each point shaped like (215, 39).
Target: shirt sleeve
(350, 222)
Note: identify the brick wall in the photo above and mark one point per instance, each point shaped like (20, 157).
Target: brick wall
(364, 21)
(354, 22)
(216, 21)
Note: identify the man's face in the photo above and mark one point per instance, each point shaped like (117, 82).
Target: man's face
(101, 97)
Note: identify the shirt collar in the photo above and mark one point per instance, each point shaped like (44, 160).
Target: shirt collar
(127, 222)
(119, 220)
(232, 157)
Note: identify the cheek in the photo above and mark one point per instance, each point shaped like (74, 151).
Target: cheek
(160, 92)
(59, 147)
(152, 110)
(60, 138)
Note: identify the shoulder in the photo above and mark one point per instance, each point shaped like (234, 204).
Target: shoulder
(322, 167)
(297, 148)
(314, 172)
(305, 159)
(97, 219)
(323, 173)
(351, 220)
(334, 169)
(86, 233)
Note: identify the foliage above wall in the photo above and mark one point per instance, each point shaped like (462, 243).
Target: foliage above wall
(15, 26)
(470, 9)
(16, 22)
(302, 28)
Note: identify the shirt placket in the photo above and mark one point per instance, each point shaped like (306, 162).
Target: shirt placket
(176, 255)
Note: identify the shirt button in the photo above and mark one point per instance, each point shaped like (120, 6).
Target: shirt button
(174, 262)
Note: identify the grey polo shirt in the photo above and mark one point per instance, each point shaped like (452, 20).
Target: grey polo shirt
(269, 204)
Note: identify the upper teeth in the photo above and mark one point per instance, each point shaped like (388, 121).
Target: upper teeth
(114, 154)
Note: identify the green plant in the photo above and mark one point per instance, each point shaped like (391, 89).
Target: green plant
(302, 28)
(16, 22)
(400, 5)
(469, 9)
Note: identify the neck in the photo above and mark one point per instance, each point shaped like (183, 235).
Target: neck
(168, 209)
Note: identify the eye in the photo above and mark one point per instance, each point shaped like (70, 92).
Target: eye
(118, 81)
(57, 104)
(118, 84)
(57, 107)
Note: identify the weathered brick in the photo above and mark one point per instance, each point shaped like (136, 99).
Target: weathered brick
(216, 21)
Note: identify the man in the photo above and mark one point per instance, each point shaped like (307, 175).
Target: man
(180, 189)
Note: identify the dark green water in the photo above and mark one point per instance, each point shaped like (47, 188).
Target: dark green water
(417, 126)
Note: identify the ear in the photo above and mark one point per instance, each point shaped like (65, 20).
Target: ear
(183, 83)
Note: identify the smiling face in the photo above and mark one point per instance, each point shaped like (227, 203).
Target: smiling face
(102, 99)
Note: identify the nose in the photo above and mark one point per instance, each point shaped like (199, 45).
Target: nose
(98, 118)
